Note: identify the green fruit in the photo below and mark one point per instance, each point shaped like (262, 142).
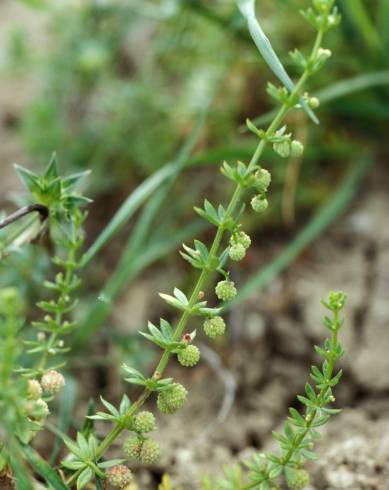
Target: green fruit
(144, 422)
(189, 356)
(214, 327)
(240, 238)
(172, 399)
(237, 252)
(259, 203)
(298, 480)
(132, 447)
(119, 476)
(150, 452)
(282, 148)
(226, 290)
(262, 180)
(296, 149)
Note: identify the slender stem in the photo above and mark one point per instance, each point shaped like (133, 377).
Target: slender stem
(204, 275)
(312, 416)
(59, 317)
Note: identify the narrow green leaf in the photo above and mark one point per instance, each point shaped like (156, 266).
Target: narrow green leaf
(28, 178)
(42, 468)
(23, 480)
(51, 171)
(264, 46)
(65, 416)
(84, 478)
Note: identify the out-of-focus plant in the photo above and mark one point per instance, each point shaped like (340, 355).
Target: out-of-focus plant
(103, 82)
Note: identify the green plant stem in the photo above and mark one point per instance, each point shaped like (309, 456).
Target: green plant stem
(9, 347)
(309, 421)
(59, 317)
(283, 111)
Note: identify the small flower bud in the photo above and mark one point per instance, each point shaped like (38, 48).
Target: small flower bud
(298, 480)
(34, 389)
(242, 238)
(201, 295)
(226, 290)
(282, 148)
(213, 327)
(41, 336)
(259, 204)
(336, 300)
(262, 180)
(324, 53)
(52, 382)
(172, 399)
(119, 476)
(237, 252)
(189, 356)
(296, 149)
(150, 452)
(313, 102)
(144, 422)
(132, 447)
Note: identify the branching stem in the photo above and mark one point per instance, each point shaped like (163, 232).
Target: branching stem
(204, 275)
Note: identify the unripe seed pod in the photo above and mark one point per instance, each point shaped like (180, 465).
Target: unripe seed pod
(213, 327)
(34, 389)
(298, 480)
(259, 203)
(242, 238)
(226, 290)
(314, 102)
(132, 447)
(172, 399)
(324, 53)
(52, 382)
(150, 451)
(189, 356)
(144, 422)
(119, 476)
(262, 180)
(296, 149)
(237, 252)
(282, 148)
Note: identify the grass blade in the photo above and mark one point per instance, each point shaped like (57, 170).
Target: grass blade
(352, 85)
(383, 22)
(247, 7)
(43, 469)
(144, 191)
(23, 479)
(356, 12)
(337, 90)
(126, 271)
(65, 416)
